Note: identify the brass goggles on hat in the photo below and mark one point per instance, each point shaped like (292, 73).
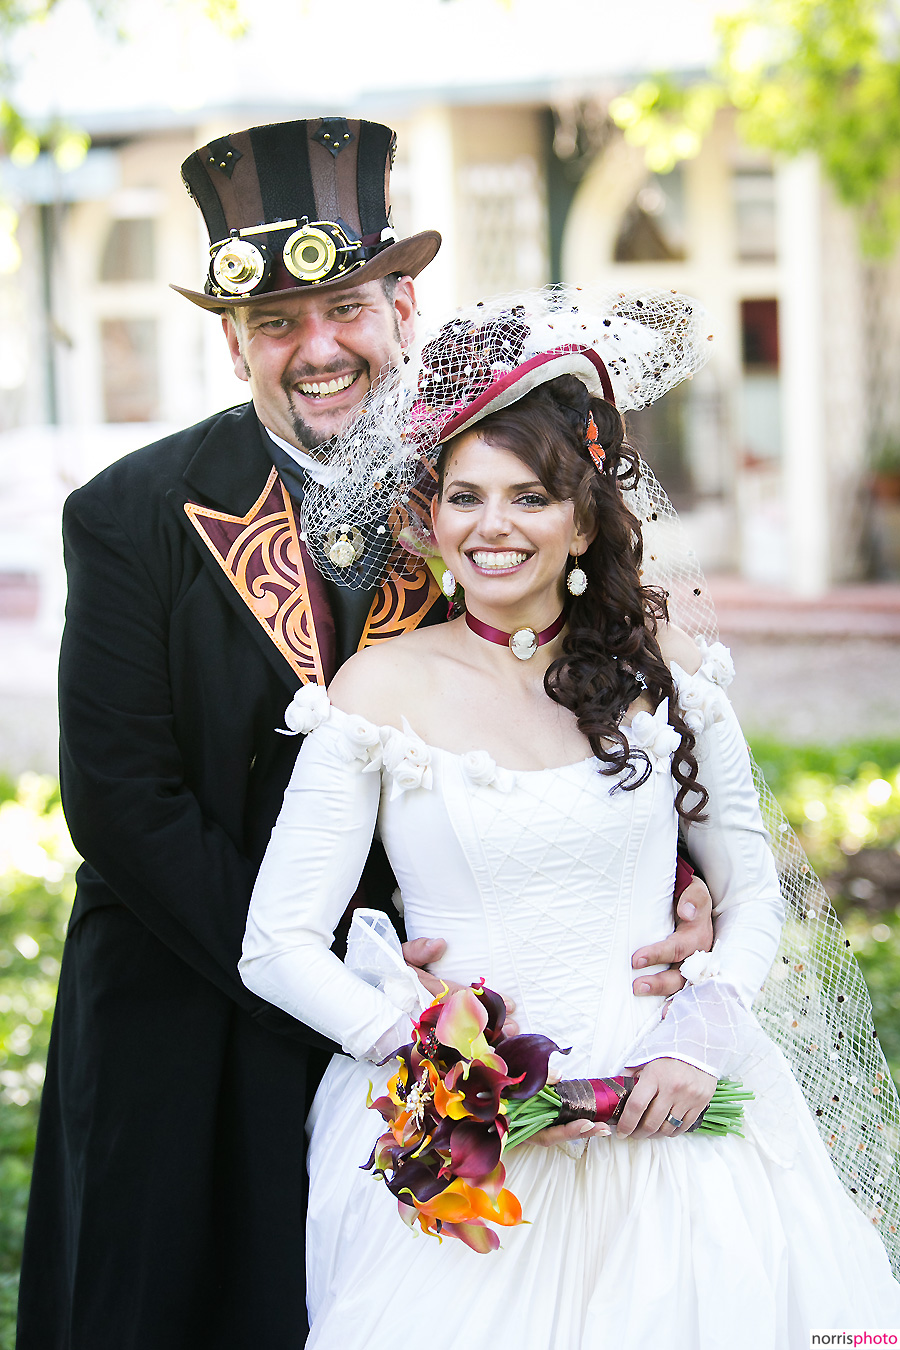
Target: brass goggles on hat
(315, 251)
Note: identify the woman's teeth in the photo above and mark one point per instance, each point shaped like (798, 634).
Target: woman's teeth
(320, 389)
(498, 561)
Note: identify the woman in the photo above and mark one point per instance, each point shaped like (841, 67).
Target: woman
(528, 765)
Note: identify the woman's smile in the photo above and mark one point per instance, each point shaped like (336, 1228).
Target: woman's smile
(495, 561)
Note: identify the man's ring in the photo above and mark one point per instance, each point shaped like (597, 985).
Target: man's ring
(674, 1121)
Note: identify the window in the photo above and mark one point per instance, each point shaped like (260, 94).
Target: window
(129, 253)
(652, 229)
(130, 370)
(754, 215)
(504, 227)
(760, 414)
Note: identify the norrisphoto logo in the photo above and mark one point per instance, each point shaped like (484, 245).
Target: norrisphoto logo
(887, 1337)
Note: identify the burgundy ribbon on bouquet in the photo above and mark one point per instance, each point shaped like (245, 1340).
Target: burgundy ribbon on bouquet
(601, 1100)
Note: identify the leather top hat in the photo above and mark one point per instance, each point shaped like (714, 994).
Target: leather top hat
(299, 205)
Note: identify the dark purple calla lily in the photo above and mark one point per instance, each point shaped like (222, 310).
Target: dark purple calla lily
(526, 1059)
(475, 1150)
(417, 1179)
(481, 1090)
(496, 1013)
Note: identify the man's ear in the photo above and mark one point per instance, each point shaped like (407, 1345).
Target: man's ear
(405, 309)
(229, 328)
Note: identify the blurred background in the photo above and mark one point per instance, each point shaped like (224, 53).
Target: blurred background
(748, 155)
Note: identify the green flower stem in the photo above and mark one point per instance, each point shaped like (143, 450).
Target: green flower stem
(723, 1115)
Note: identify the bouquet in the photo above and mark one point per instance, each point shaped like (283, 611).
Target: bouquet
(463, 1095)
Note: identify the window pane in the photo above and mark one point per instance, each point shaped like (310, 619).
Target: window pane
(130, 370)
(652, 228)
(129, 253)
(754, 212)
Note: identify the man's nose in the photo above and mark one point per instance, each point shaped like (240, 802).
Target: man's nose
(317, 344)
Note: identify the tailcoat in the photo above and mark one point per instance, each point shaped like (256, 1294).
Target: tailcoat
(167, 1208)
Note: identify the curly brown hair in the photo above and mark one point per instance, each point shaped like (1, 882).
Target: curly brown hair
(610, 653)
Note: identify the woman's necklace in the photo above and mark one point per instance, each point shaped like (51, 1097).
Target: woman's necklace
(524, 642)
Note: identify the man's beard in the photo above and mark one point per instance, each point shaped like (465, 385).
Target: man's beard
(309, 439)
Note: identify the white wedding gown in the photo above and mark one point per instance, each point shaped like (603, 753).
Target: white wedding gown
(544, 883)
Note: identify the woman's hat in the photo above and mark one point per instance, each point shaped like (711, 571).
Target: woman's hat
(297, 206)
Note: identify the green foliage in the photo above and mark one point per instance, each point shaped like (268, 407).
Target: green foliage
(844, 803)
(37, 867)
(69, 144)
(839, 799)
(819, 75)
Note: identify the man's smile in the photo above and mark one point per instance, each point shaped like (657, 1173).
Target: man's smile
(320, 389)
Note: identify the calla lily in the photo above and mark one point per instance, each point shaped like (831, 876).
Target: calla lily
(496, 1013)
(461, 1022)
(481, 1087)
(474, 1151)
(527, 1059)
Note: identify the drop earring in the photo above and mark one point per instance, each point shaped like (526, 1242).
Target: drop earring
(577, 581)
(448, 584)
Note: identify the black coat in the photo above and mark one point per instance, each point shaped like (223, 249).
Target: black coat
(167, 1208)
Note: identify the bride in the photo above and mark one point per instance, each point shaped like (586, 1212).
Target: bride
(528, 766)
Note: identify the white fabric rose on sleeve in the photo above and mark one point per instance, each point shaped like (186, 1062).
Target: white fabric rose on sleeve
(717, 663)
(651, 732)
(308, 709)
(407, 762)
(362, 741)
(702, 966)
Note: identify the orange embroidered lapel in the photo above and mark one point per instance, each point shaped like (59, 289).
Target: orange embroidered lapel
(263, 557)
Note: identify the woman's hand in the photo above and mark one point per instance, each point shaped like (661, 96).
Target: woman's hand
(665, 1087)
(563, 1134)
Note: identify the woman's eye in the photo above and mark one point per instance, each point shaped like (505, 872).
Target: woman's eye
(462, 499)
(532, 499)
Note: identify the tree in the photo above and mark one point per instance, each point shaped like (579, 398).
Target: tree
(819, 75)
(23, 142)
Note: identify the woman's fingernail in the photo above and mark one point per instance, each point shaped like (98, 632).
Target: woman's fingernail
(588, 1125)
(639, 962)
(644, 987)
(688, 910)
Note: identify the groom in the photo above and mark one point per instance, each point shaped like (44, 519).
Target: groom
(169, 1185)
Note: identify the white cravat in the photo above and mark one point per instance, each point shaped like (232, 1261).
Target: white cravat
(318, 472)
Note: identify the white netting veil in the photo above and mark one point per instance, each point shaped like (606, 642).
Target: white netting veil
(373, 515)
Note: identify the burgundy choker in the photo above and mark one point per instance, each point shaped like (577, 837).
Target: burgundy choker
(524, 642)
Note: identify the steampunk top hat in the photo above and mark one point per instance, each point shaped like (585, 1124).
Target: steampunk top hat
(298, 206)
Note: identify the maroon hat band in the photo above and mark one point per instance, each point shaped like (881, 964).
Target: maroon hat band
(514, 384)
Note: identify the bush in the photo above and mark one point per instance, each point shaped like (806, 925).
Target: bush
(844, 803)
(37, 870)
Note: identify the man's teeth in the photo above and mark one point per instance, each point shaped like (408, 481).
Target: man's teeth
(498, 561)
(318, 389)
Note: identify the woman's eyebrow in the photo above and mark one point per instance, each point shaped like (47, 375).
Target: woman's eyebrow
(514, 487)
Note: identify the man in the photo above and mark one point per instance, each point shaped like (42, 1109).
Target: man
(169, 1186)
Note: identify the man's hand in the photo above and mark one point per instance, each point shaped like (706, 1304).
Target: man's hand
(693, 933)
(421, 951)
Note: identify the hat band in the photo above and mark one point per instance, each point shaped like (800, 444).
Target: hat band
(314, 252)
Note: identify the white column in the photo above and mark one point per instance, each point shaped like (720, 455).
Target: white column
(432, 172)
(802, 376)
